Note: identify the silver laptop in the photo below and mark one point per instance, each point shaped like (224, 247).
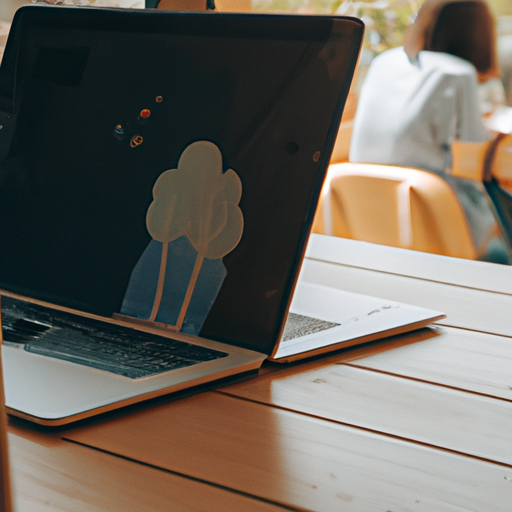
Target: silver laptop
(159, 174)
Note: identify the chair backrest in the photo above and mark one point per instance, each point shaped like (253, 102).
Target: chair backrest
(397, 206)
(480, 161)
(340, 151)
(468, 159)
(489, 162)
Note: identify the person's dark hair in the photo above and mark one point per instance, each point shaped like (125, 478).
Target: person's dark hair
(466, 30)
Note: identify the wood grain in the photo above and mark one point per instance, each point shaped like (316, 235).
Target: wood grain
(434, 415)
(477, 275)
(481, 363)
(305, 462)
(64, 477)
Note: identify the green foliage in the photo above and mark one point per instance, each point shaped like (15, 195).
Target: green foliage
(501, 7)
(385, 20)
(302, 6)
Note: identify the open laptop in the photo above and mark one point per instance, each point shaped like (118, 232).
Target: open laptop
(159, 175)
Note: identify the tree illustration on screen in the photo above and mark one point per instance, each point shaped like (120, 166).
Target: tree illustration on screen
(199, 201)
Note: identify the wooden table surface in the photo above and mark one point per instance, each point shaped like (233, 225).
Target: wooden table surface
(418, 422)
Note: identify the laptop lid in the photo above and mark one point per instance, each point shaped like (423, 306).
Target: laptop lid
(145, 151)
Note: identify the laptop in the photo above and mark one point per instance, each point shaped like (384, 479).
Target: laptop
(158, 179)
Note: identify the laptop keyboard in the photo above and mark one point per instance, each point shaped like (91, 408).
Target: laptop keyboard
(298, 326)
(120, 350)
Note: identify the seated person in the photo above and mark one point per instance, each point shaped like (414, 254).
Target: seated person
(418, 98)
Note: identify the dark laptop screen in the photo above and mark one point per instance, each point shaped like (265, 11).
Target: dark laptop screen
(242, 110)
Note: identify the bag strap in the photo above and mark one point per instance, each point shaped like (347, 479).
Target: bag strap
(490, 154)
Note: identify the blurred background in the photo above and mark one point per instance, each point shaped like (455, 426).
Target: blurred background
(385, 22)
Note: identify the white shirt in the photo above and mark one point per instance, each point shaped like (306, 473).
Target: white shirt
(409, 112)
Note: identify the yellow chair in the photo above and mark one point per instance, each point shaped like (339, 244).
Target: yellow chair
(482, 161)
(341, 147)
(490, 163)
(396, 206)
(468, 159)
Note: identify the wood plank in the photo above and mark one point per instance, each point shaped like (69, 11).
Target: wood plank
(60, 476)
(465, 307)
(481, 363)
(305, 462)
(5, 476)
(438, 416)
(419, 265)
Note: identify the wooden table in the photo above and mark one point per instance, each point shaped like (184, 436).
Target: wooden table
(419, 422)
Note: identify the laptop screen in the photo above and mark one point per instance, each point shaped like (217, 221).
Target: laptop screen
(165, 166)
